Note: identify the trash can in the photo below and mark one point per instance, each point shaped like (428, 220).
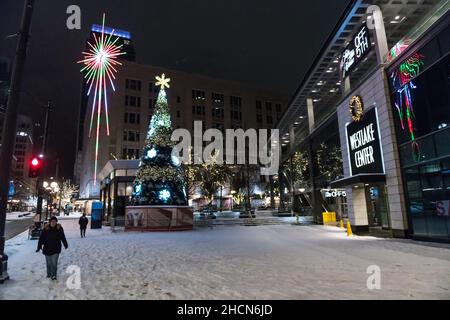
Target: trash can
(96, 215)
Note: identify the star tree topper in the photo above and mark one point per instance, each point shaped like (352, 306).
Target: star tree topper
(163, 81)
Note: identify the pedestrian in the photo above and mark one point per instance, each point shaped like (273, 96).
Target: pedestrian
(50, 242)
(83, 222)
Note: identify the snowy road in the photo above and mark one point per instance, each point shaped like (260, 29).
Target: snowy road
(236, 262)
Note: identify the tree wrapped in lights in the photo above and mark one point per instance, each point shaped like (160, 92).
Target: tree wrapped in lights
(329, 162)
(160, 179)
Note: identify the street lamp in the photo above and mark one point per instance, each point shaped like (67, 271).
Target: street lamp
(52, 188)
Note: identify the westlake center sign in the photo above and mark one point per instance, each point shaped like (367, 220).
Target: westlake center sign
(364, 145)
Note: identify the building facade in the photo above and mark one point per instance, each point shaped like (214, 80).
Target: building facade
(374, 104)
(23, 152)
(23, 146)
(216, 103)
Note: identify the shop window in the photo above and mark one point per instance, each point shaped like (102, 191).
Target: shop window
(430, 52)
(416, 208)
(442, 139)
(121, 189)
(430, 100)
(131, 172)
(444, 41)
(121, 173)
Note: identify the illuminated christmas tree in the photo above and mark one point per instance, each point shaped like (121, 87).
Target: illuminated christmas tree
(160, 179)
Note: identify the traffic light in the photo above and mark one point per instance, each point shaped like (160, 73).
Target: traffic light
(35, 167)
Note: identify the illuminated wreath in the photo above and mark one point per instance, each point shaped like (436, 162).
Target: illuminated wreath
(356, 108)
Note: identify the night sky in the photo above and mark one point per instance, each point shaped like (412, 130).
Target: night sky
(270, 43)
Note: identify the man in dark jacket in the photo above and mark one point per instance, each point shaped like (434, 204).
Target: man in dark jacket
(83, 222)
(51, 237)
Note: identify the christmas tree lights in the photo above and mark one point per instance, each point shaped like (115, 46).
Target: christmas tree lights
(160, 179)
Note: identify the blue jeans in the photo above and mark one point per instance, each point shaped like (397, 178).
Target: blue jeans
(52, 265)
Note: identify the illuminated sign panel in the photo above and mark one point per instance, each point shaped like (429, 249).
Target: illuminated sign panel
(357, 50)
(108, 30)
(364, 145)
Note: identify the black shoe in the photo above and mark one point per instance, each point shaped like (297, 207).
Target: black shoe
(53, 278)
(48, 276)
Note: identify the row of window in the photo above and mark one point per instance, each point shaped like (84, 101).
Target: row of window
(130, 154)
(132, 136)
(132, 101)
(268, 106)
(133, 84)
(235, 102)
(216, 98)
(216, 112)
(133, 118)
(259, 119)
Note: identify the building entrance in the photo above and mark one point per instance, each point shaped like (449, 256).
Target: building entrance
(377, 206)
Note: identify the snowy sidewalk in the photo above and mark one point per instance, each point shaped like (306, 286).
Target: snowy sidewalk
(264, 262)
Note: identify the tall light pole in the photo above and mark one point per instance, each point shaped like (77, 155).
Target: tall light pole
(39, 181)
(10, 128)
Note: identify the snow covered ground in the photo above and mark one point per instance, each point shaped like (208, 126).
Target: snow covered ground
(12, 216)
(231, 262)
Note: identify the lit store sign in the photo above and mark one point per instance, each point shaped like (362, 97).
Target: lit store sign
(335, 193)
(364, 145)
(358, 48)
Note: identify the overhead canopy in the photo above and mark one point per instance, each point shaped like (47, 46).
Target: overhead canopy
(359, 179)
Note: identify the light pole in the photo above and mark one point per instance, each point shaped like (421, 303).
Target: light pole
(48, 109)
(9, 129)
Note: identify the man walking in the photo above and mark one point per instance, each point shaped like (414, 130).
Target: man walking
(51, 237)
(83, 222)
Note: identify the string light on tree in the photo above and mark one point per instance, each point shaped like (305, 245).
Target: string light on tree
(164, 195)
(160, 178)
(100, 64)
(151, 153)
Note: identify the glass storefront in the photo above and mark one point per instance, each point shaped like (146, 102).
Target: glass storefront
(423, 130)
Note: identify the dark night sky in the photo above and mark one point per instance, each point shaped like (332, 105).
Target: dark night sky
(270, 43)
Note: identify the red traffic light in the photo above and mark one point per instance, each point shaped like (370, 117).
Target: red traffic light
(35, 162)
(35, 167)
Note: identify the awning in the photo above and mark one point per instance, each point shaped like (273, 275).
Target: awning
(359, 179)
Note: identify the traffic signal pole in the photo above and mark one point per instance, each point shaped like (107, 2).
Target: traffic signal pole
(9, 132)
(40, 180)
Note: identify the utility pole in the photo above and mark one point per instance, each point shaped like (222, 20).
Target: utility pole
(9, 132)
(40, 180)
